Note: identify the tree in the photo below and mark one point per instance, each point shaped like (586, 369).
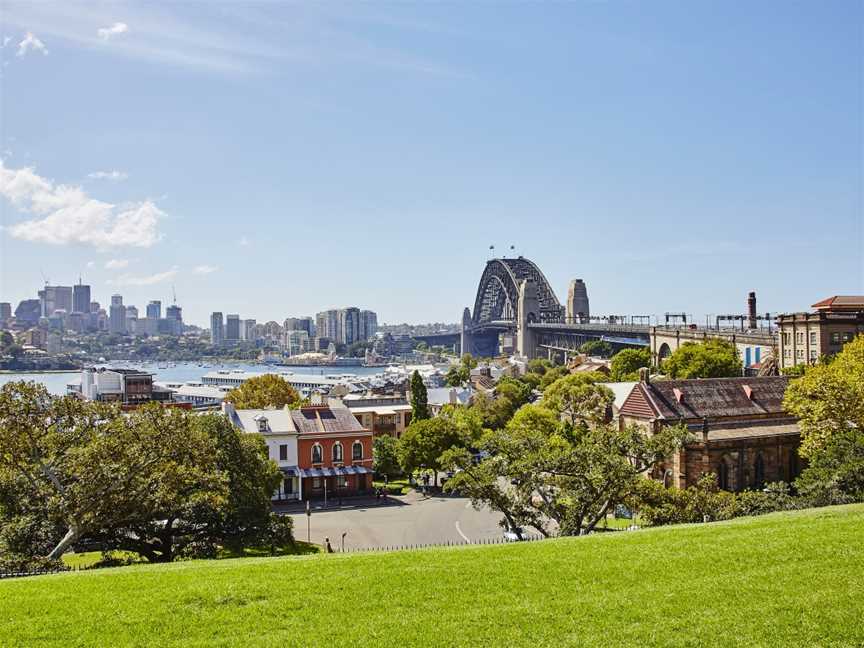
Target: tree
(262, 392)
(385, 460)
(544, 468)
(419, 398)
(577, 398)
(424, 442)
(599, 348)
(91, 469)
(457, 376)
(829, 403)
(627, 363)
(713, 358)
(163, 482)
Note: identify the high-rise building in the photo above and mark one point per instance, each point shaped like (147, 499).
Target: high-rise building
(52, 298)
(154, 310)
(217, 329)
(577, 302)
(368, 324)
(28, 311)
(175, 315)
(349, 319)
(80, 298)
(5, 311)
(329, 325)
(247, 330)
(117, 315)
(95, 306)
(298, 324)
(232, 328)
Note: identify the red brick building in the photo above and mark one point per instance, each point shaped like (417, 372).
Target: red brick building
(334, 452)
(741, 432)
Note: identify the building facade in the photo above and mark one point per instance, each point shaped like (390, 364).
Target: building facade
(217, 329)
(805, 337)
(117, 315)
(741, 432)
(232, 328)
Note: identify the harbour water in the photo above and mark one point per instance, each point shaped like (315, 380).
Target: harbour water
(184, 371)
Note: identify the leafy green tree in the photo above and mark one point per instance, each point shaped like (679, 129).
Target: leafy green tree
(599, 348)
(544, 467)
(627, 363)
(577, 398)
(424, 442)
(714, 358)
(262, 392)
(829, 403)
(539, 366)
(551, 375)
(457, 376)
(419, 398)
(385, 458)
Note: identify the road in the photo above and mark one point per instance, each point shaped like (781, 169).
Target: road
(411, 519)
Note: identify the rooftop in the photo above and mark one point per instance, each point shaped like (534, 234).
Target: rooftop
(841, 302)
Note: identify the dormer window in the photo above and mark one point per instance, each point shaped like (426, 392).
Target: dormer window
(262, 423)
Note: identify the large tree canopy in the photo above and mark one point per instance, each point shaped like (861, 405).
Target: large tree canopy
(160, 481)
(264, 391)
(422, 445)
(713, 358)
(829, 402)
(626, 363)
(558, 464)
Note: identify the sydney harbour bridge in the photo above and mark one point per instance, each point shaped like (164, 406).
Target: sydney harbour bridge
(516, 311)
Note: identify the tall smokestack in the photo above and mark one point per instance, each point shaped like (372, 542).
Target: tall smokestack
(751, 310)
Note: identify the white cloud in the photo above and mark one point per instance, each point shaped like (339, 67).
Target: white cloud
(65, 214)
(116, 264)
(204, 269)
(106, 33)
(91, 264)
(244, 241)
(6, 40)
(108, 175)
(143, 280)
(31, 44)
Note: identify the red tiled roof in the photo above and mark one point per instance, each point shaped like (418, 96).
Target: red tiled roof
(841, 301)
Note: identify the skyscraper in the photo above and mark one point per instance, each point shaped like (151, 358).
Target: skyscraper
(154, 310)
(349, 319)
(174, 314)
(328, 325)
(368, 324)
(117, 315)
(80, 298)
(217, 329)
(52, 298)
(5, 311)
(232, 328)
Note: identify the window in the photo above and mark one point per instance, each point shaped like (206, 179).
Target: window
(800, 353)
(262, 424)
(341, 481)
(723, 476)
(759, 472)
(316, 483)
(317, 454)
(847, 337)
(835, 338)
(814, 354)
(337, 452)
(357, 451)
(812, 337)
(283, 452)
(787, 338)
(799, 337)
(288, 486)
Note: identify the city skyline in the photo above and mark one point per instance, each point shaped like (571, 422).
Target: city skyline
(381, 167)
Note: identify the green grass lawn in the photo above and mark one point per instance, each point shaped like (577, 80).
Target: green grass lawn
(394, 486)
(790, 579)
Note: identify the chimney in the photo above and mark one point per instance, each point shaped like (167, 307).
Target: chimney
(228, 409)
(452, 395)
(751, 310)
(644, 376)
(705, 430)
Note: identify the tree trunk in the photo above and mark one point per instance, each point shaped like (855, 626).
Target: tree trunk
(71, 536)
(601, 515)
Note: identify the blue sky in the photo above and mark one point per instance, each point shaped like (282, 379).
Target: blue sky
(279, 159)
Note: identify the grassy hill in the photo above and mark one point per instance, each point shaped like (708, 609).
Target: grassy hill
(791, 579)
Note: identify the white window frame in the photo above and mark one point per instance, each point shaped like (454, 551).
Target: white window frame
(341, 458)
(354, 445)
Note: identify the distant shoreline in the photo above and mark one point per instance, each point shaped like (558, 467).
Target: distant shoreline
(38, 371)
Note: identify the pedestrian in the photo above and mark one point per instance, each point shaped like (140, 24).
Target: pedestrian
(327, 545)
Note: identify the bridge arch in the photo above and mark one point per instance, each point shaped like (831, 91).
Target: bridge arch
(663, 352)
(498, 292)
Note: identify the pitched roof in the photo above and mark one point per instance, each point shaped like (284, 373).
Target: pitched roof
(707, 398)
(324, 420)
(279, 421)
(842, 302)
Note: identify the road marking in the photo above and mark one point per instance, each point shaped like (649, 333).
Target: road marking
(464, 537)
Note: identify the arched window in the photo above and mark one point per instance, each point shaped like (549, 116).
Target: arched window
(357, 451)
(337, 452)
(759, 472)
(317, 454)
(723, 475)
